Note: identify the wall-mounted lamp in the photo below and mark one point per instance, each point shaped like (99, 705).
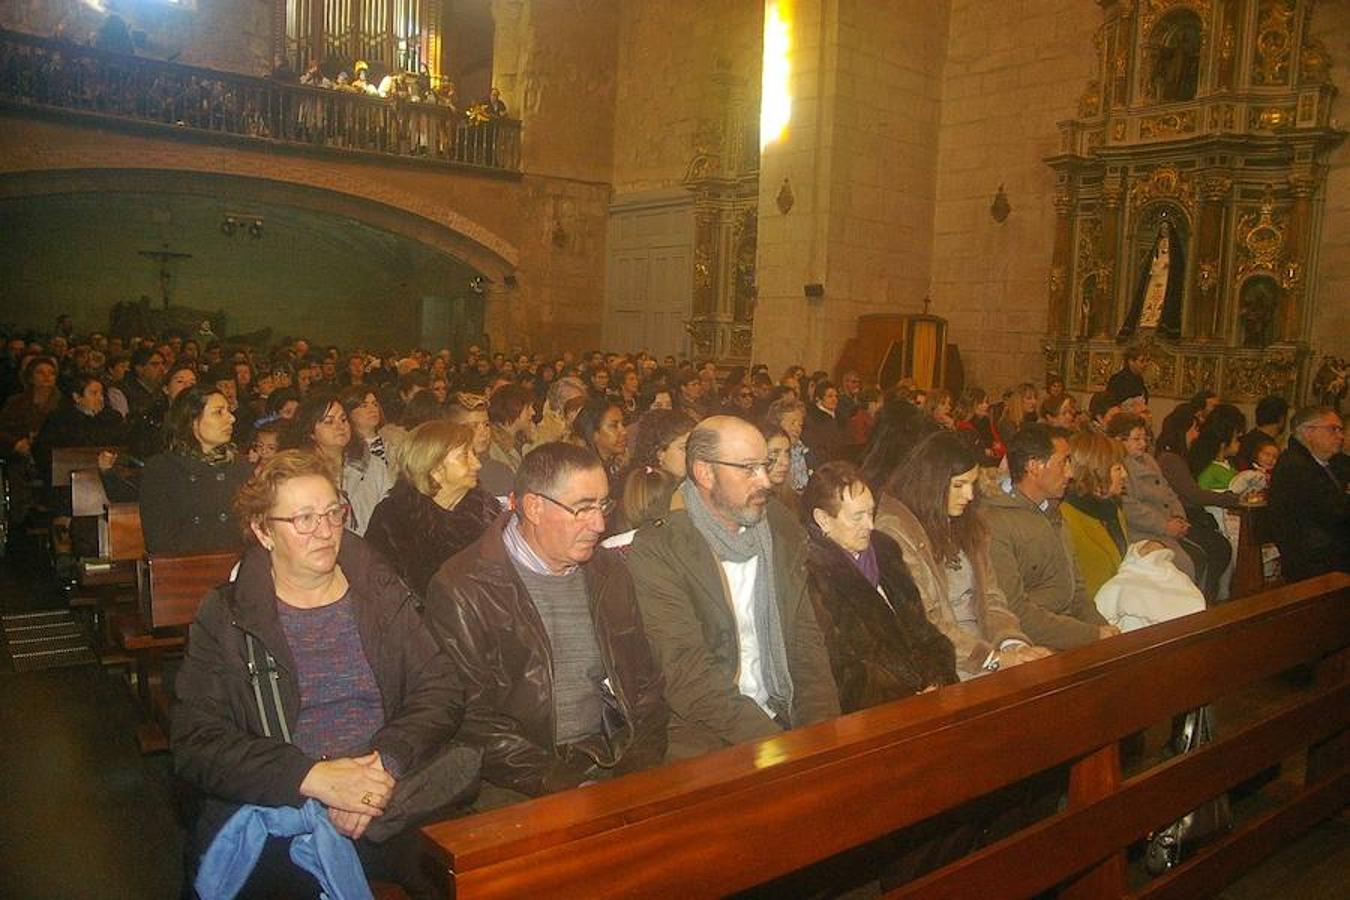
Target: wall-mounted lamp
(1000, 208)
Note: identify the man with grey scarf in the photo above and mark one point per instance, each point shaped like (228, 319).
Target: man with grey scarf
(722, 589)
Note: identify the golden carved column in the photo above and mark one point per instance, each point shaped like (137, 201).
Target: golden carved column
(1099, 317)
(1059, 267)
(1295, 250)
(1206, 314)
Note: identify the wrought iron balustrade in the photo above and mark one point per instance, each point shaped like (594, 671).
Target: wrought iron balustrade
(49, 73)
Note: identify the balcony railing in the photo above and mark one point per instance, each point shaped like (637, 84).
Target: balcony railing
(50, 73)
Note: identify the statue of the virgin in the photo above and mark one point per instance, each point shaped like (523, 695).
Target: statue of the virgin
(1157, 297)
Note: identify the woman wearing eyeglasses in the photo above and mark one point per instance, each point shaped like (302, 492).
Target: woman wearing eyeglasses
(321, 424)
(312, 678)
(186, 491)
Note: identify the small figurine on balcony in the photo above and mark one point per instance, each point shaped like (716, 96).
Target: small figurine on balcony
(496, 105)
(360, 83)
(1157, 300)
(314, 76)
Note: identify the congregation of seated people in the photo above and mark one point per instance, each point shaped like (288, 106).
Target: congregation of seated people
(480, 580)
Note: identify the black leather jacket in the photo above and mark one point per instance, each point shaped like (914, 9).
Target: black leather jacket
(479, 610)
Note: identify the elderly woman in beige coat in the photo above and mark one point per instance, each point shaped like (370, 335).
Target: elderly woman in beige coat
(928, 507)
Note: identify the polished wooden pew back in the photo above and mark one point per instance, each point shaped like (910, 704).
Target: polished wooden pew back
(172, 587)
(738, 818)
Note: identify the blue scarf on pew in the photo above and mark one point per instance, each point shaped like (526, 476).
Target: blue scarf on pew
(316, 846)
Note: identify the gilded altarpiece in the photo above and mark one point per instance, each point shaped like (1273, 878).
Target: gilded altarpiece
(1208, 124)
(724, 178)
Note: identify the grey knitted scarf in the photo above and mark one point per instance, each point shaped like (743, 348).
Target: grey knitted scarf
(739, 547)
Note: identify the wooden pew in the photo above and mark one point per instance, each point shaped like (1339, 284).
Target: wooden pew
(107, 578)
(171, 589)
(1249, 575)
(741, 817)
(69, 459)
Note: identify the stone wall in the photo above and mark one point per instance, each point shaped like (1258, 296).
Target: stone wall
(860, 156)
(666, 105)
(1331, 314)
(235, 36)
(555, 65)
(1013, 71)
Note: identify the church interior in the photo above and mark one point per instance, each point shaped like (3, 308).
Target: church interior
(894, 220)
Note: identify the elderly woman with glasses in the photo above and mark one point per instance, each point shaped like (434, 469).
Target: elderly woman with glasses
(310, 677)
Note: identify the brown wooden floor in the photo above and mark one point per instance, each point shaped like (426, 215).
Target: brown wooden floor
(86, 816)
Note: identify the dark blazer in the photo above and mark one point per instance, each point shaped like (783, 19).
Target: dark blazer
(692, 627)
(823, 436)
(1313, 511)
(69, 427)
(215, 733)
(416, 535)
(187, 504)
(480, 611)
(881, 648)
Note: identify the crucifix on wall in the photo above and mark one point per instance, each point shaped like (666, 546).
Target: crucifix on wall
(165, 257)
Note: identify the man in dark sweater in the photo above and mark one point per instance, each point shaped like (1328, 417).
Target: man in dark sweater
(543, 627)
(1129, 381)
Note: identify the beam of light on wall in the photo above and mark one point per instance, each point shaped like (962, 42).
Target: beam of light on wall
(775, 103)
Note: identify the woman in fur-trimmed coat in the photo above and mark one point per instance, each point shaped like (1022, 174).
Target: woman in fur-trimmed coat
(881, 645)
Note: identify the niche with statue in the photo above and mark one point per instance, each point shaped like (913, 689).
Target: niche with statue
(1185, 200)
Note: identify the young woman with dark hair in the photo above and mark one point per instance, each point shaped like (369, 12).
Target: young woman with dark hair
(931, 508)
(1179, 431)
(1218, 442)
(186, 491)
(599, 426)
(900, 426)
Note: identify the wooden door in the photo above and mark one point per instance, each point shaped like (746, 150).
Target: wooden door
(650, 274)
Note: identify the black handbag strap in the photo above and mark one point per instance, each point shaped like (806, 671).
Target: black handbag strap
(270, 712)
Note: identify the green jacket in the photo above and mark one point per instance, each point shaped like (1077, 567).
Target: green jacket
(692, 630)
(1094, 550)
(1035, 567)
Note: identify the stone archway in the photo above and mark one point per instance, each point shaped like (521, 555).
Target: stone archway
(474, 246)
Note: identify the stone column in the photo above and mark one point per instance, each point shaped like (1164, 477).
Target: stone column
(1206, 314)
(1059, 267)
(1295, 254)
(715, 212)
(1098, 324)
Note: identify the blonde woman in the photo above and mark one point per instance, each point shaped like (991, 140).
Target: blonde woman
(436, 507)
(1093, 519)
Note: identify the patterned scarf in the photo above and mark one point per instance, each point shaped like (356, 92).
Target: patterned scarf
(755, 541)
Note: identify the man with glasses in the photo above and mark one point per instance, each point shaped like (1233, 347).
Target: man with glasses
(722, 589)
(543, 627)
(1308, 497)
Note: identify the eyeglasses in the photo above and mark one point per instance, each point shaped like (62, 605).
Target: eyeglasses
(1335, 429)
(307, 523)
(604, 507)
(759, 467)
